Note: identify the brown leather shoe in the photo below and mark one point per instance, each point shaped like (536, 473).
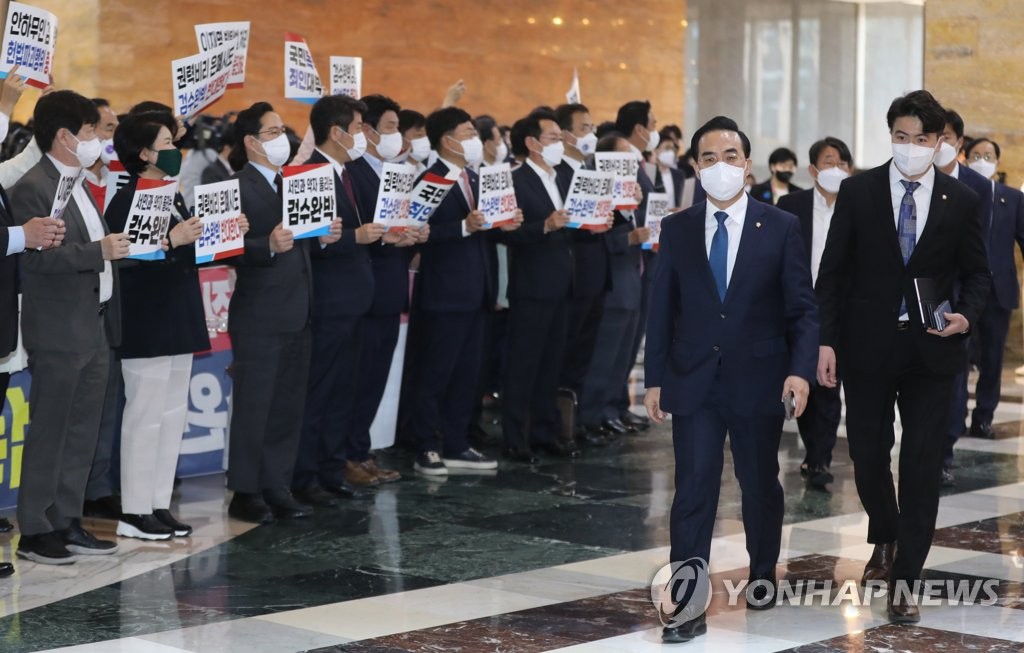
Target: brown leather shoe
(359, 476)
(381, 474)
(902, 608)
(880, 564)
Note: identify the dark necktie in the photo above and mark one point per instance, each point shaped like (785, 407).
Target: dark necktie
(279, 185)
(719, 256)
(907, 228)
(346, 182)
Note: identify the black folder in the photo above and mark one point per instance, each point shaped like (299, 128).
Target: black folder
(931, 305)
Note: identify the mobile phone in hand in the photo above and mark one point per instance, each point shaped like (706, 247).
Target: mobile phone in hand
(789, 403)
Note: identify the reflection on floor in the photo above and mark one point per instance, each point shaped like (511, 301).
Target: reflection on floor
(556, 557)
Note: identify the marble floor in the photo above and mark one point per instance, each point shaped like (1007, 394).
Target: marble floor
(555, 557)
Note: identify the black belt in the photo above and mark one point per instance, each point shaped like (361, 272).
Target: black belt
(903, 325)
(103, 307)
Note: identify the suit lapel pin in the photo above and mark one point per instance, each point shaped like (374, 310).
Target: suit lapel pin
(943, 197)
(758, 225)
(1002, 200)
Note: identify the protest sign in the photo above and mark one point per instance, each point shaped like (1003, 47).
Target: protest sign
(625, 167)
(218, 206)
(589, 202)
(659, 207)
(497, 199)
(347, 76)
(215, 35)
(428, 194)
(396, 182)
(30, 38)
(301, 81)
(117, 178)
(308, 199)
(201, 79)
(65, 187)
(150, 218)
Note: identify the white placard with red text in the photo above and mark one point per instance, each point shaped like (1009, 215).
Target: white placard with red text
(497, 199)
(625, 166)
(589, 202)
(218, 206)
(214, 35)
(30, 37)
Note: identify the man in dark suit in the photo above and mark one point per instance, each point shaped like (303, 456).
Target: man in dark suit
(897, 222)
(343, 288)
(1002, 226)
(539, 291)
(454, 287)
(220, 169)
(733, 329)
(782, 164)
(269, 323)
(831, 163)
(71, 317)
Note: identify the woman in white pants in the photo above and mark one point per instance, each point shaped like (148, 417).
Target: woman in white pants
(163, 324)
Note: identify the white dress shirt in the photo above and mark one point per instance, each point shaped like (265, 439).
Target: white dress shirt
(820, 222)
(573, 163)
(465, 194)
(733, 226)
(93, 223)
(922, 199)
(670, 186)
(15, 240)
(548, 179)
(375, 163)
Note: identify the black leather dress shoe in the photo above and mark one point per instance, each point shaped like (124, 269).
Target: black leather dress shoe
(902, 609)
(819, 476)
(686, 632)
(561, 449)
(639, 422)
(764, 594)
(983, 431)
(284, 505)
(880, 564)
(314, 495)
(6, 569)
(344, 491)
(521, 456)
(592, 436)
(251, 508)
(5, 525)
(615, 426)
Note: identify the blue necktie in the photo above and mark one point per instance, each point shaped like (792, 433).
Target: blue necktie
(719, 256)
(907, 229)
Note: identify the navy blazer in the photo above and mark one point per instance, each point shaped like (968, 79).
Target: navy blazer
(455, 271)
(801, 204)
(1004, 228)
(390, 264)
(591, 272)
(343, 283)
(763, 192)
(540, 264)
(765, 330)
(677, 184)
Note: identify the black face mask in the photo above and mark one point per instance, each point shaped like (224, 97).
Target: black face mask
(784, 175)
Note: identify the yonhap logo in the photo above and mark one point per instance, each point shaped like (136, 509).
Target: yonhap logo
(681, 591)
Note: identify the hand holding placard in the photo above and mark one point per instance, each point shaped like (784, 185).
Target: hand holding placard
(334, 234)
(557, 220)
(185, 233)
(115, 247)
(281, 240)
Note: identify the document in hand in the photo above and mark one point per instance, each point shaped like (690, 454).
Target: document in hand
(932, 307)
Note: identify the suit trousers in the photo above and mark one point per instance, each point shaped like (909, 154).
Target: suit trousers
(156, 407)
(104, 479)
(699, 440)
(601, 389)
(819, 424)
(446, 379)
(581, 338)
(331, 395)
(536, 346)
(66, 401)
(270, 373)
(380, 335)
(623, 399)
(923, 397)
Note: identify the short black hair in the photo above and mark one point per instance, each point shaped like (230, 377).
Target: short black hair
(247, 123)
(504, 130)
(443, 121)
(160, 117)
(607, 142)
(979, 141)
(668, 134)
(833, 142)
(134, 134)
(781, 155)
(954, 120)
(100, 102)
(532, 127)
(150, 105)
(674, 130)
(605, 128)
(485, 125)
(565, 112)
(718, 124)
(631, 114)
(332, 110)
(409, 119)
(921, 105)
(61, 110)
(376, 106)
(517, 138)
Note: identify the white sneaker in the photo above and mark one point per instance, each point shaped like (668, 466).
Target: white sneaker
(471, 459)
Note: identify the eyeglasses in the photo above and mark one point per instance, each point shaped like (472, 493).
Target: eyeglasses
(273, 131)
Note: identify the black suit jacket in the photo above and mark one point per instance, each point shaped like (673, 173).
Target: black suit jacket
(591, 273)
(214, 172)
(455, 270)
(342, 274)
(763, 191)
(1005, 227)
(801, 204)
(677, 184)
(273, 293)
(540, 264)
(8, 284)
(862, 279)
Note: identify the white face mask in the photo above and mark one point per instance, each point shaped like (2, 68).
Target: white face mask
(107, 153)
(723, 181)
(552, 153)
(277, 150)
(389, 146)
(653, 141)
(502, 153)
(587, 144)
(984, 168)
(912, 159)
(472, 150)
(946, 155)
(667, 158)
(830, 178)
(420, 148)
(358, 148)
(86, 151)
